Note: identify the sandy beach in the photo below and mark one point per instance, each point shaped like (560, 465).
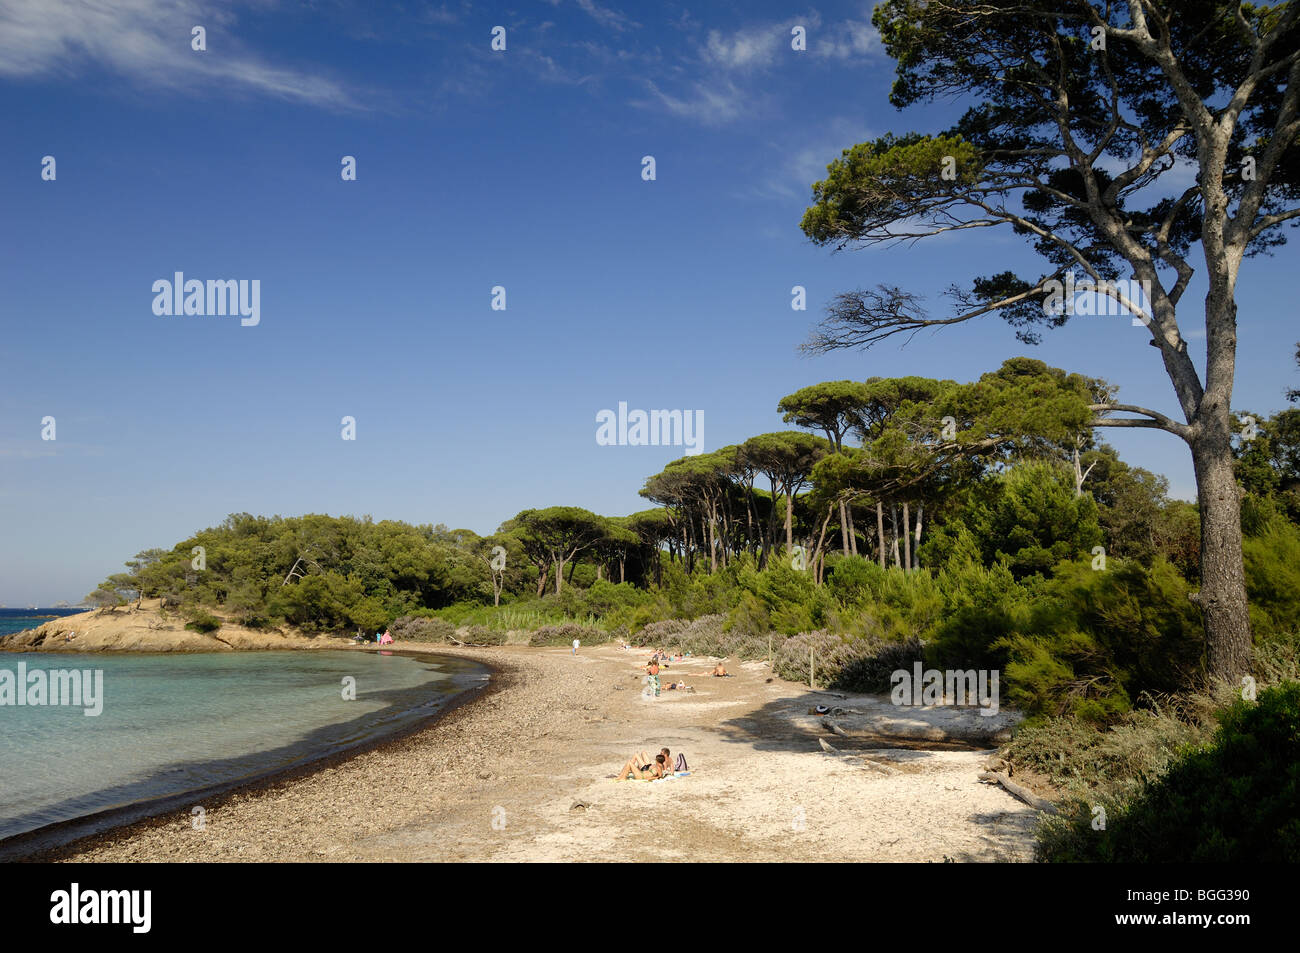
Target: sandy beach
(522, 773)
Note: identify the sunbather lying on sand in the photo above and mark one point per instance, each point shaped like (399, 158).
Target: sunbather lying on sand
(642, 770)
(720, 671)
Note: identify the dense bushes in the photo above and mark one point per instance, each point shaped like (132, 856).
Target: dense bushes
(482, 635)
(565, 633)
(1107, 765)
(417, 629)
(844, 664)
(707, 635)
(1234, 800)
(1092, 641)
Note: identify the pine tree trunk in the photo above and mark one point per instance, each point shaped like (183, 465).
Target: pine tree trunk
(880, 531)
(844, 528)
(1222, 598)
(893, 529)
(907, 537)
(916, 550)
(789, 519)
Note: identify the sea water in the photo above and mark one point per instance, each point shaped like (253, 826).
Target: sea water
(177, 723)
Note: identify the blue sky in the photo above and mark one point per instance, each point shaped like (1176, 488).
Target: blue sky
(474, 169)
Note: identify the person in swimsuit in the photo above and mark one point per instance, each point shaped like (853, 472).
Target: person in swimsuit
(641, 771)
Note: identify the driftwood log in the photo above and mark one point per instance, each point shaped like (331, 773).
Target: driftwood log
(1019, 791)
(834, 728)
(889, 729)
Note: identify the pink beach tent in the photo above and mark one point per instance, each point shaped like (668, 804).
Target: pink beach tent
(385, 639)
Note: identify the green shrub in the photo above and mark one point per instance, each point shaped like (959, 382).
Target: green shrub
(203, 622)
(984, 606)
(1036, 519)
(849, 578)
(1273, 577)
(749, 618)
(1235, 800)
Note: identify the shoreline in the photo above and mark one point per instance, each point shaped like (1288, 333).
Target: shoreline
(36, 845)
(520, 770)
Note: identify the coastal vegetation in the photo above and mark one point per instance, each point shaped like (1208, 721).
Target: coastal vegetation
(880, 534)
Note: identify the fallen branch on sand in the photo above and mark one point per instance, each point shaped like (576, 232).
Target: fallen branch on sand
(1017, 790)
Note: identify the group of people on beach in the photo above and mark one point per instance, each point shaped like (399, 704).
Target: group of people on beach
(641, 768)
(652, 670)
(654, 666)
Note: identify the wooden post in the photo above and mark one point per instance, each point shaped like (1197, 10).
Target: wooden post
(812, 669)
(770, 660)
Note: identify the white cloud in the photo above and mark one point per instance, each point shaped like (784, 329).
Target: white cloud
(708, 102)
(852, 39)
(147, 40)
(748, 49)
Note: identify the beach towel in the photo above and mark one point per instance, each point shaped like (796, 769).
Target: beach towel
(667, 777)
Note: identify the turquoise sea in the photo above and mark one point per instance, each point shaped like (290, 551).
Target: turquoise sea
(172, 724)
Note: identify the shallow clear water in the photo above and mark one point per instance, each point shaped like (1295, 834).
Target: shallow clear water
(177, 723)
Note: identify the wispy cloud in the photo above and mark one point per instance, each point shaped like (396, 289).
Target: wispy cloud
(710, 102)
(148, 41)
(607, 17)
(801, 163)
(718, 82)
(852, 39)
(440, 15)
